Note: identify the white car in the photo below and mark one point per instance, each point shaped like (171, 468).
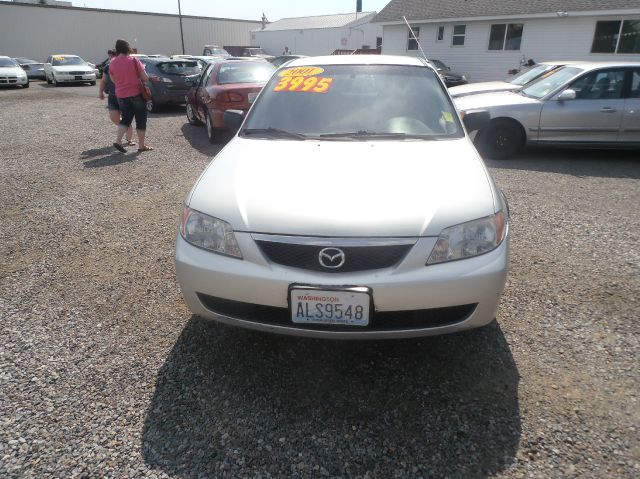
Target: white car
(11, 73)
(68, 69)
(517, 82)
(351, 204)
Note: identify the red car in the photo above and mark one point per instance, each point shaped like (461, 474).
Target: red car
(227, 85)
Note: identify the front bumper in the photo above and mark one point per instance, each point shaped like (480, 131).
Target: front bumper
(13, 80)
(64, 78)
(227, 290)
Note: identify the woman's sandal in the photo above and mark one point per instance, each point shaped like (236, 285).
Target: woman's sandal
(119, 147)
(146, 148)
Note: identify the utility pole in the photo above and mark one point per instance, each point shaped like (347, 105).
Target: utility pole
(181, 33)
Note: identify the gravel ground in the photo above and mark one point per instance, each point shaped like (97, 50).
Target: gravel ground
(104, 372)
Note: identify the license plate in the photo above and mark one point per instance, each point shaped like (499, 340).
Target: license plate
(252, 96)
(349, 307)
(78, 77)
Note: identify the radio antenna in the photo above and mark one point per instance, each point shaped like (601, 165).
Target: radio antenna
(413, 37)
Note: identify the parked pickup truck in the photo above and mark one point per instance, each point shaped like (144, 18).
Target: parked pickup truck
(245, 51)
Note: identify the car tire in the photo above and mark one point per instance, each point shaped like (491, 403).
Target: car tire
(191, 117)
(54, 81)
(500, 140)
(211, 134)
(92, 83)
(26, 85)
(152, 106)
(48, 79)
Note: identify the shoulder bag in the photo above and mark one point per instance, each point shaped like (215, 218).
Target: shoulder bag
(145, 91)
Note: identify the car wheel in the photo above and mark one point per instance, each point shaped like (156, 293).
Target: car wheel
(191, 117)
(48, 79)
(92, 83)
(54, 81)
(210, 132)
(501, 140)
(152, 106)
(26, 85)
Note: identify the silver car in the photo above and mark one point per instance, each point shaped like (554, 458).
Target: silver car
(515, 83)
(581, 105)
(351, 204)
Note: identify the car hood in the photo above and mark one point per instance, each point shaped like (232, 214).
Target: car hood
(73, 68)
(345, 188)
(483, 87)
(11, 70)
(487, 100)
(452, 74)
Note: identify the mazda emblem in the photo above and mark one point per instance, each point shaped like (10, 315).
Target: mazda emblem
(331, 258)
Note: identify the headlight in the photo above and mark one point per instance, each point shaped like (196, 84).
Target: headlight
(470, 239)
(464, 77)
(209, 233)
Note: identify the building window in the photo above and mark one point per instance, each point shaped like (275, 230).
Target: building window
(617, 36)
(413, 42)
(505, 36)
(459, 31)
(379, 43)
(440, 35)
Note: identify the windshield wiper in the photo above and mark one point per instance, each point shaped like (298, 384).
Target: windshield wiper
(364, 134)
(273, 133)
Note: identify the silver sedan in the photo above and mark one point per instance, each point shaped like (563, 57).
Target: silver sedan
(351, 204)
(581, 105)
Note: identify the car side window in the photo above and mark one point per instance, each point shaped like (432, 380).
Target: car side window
(204, 78)
(635, 84)
(599, 85)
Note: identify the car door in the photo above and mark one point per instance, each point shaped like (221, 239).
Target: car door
(201, 95)
(630, 128)
(594, 116)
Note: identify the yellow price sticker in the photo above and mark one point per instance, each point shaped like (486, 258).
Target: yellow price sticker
(301, 72)
(447, 116)
(309, 84)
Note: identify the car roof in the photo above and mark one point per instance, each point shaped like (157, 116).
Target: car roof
(595, 65)
(357, 60)
(63, 55)
(3, 56)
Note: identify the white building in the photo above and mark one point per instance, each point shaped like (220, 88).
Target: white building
(36, 31)
(486, 38)
(319, 35)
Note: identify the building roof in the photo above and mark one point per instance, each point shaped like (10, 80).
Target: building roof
(319, 21)
(433, 9)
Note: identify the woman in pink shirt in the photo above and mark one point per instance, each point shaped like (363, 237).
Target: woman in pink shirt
(127, 72)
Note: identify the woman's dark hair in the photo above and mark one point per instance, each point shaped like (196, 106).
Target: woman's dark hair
(122, 46)
(111, 52)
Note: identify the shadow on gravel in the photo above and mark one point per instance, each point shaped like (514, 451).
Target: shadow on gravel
(197, 138)
(115, 158)
(580, 163)
(235, 403)
(170, 111)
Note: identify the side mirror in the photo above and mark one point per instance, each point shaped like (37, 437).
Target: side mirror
(568, 94)
(233, 118)
(476, 119)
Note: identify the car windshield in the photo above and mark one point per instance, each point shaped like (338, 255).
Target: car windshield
(550, 83)
(531, 74)
(350, 102)
(245, 72)
(218, 51)
(59, 61)
(256, 51)
(7, 62)
(439, 64)
(182, 68)
(25, 61)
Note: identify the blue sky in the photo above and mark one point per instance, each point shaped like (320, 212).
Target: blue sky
(245, 9)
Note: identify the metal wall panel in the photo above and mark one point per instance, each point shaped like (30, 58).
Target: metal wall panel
(36, 32)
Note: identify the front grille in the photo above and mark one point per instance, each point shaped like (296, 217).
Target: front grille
(78, 73)
(357, 258)
(378, 321)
